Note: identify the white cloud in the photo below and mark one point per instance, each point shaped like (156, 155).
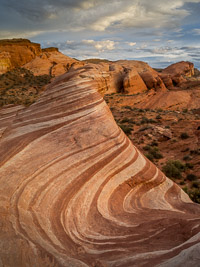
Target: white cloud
(100, 45)
(196, 31)
(131, 43)
(143, 13)
(69, 42)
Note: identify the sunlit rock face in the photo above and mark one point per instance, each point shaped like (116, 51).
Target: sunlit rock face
(17, 52)
(51, 62)
(5, 63)
(74, 191)
(149, 76)
(176, 74)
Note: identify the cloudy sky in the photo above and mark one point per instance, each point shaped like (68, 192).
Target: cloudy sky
(159, 32)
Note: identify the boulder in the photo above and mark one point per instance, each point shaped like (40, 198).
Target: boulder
(176, 74)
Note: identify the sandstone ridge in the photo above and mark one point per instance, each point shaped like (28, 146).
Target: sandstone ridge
(76, 192)
(23, 53)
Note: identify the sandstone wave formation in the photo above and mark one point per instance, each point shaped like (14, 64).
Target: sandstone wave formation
(74, 191)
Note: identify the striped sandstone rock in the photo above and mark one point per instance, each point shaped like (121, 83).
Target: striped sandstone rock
(74, 191)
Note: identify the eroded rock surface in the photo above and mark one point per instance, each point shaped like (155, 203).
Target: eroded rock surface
(74, 191)
(16, 52)
(175, 75)
(51, 62)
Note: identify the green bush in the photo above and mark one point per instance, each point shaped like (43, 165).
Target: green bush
(191, 177)
(189, 165)
(184, 136)
(158, 117)
(127, 107)
(173, 169)
(187, 157)
(146, 120)
(126, 129)
(127, 120)
(153, 152)
(194, 194)
(149, 156)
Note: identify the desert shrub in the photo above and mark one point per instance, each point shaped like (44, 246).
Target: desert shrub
(173, 168)
(187, 157)
(191, 177)
(184, 136)
(127, 120)
(141, 110)
(126, 129)
(194, 194)
(196, 184)
(153, 152)
(146, 120)
(149, 156)
(154, 143)
(127, 107)
(189, 165)
(185, 149)
(158, 117)
(195, 152)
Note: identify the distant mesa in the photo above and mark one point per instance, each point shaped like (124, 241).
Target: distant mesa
(50, 49)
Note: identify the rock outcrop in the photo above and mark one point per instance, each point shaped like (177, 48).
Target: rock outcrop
(5, 62)
(52, 62)
(23, 53)
(74, 191)
(149, 76)
(19, 52)
(113, 78)
(176, 74)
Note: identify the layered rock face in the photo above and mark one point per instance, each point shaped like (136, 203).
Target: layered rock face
(5, 62)
(114, 78)
(19, 52)
(74, 191)
(176, 74)
(150, 77)
(51, 62)
(23, 53)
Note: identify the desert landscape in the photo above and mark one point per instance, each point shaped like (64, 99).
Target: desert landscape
(100, 160)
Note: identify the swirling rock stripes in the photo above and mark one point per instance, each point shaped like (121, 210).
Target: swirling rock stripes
(76, 192)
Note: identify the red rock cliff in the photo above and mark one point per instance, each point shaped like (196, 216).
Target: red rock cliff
(19, 52)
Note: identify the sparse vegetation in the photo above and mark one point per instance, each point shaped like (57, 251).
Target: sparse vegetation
(173, 169)
(184, 136)
(21, 87)
(126, 129)
(153, 152)
(191, 177)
